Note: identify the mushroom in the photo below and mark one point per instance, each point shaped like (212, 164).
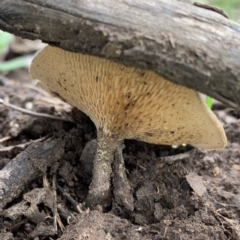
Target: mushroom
(125, 103)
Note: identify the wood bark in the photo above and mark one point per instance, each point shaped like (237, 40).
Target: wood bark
(186, 44)
(27, 166)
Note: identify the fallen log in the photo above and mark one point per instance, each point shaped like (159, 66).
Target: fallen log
(186, 44)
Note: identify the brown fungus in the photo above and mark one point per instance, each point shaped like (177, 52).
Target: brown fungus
(125, 103)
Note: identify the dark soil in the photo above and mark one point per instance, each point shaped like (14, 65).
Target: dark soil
(169, 201)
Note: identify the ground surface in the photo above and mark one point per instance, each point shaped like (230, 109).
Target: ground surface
(195, 198)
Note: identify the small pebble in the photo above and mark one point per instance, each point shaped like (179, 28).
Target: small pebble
(29, 105)
(217, 172)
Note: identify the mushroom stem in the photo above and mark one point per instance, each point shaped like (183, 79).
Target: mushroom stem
(100, 187)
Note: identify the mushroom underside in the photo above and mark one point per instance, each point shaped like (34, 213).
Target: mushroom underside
(125, 103)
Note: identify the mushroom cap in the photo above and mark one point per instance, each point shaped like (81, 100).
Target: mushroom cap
(128, 102)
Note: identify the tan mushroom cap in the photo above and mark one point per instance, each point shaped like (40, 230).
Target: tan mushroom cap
(128, 102)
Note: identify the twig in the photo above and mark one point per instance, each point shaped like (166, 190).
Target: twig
(45, 181)
(224, 100)
(70, 199)
(28, 112)
(172, 159)
(22, 145)
(55, 213)
(233, 224)
(56, 217)
(5, 139)
(37, 89)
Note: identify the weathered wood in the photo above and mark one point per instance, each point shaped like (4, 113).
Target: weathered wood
(26, 167)
(195, 47)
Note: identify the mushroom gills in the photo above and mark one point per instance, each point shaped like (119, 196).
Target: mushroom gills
(125, 103)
